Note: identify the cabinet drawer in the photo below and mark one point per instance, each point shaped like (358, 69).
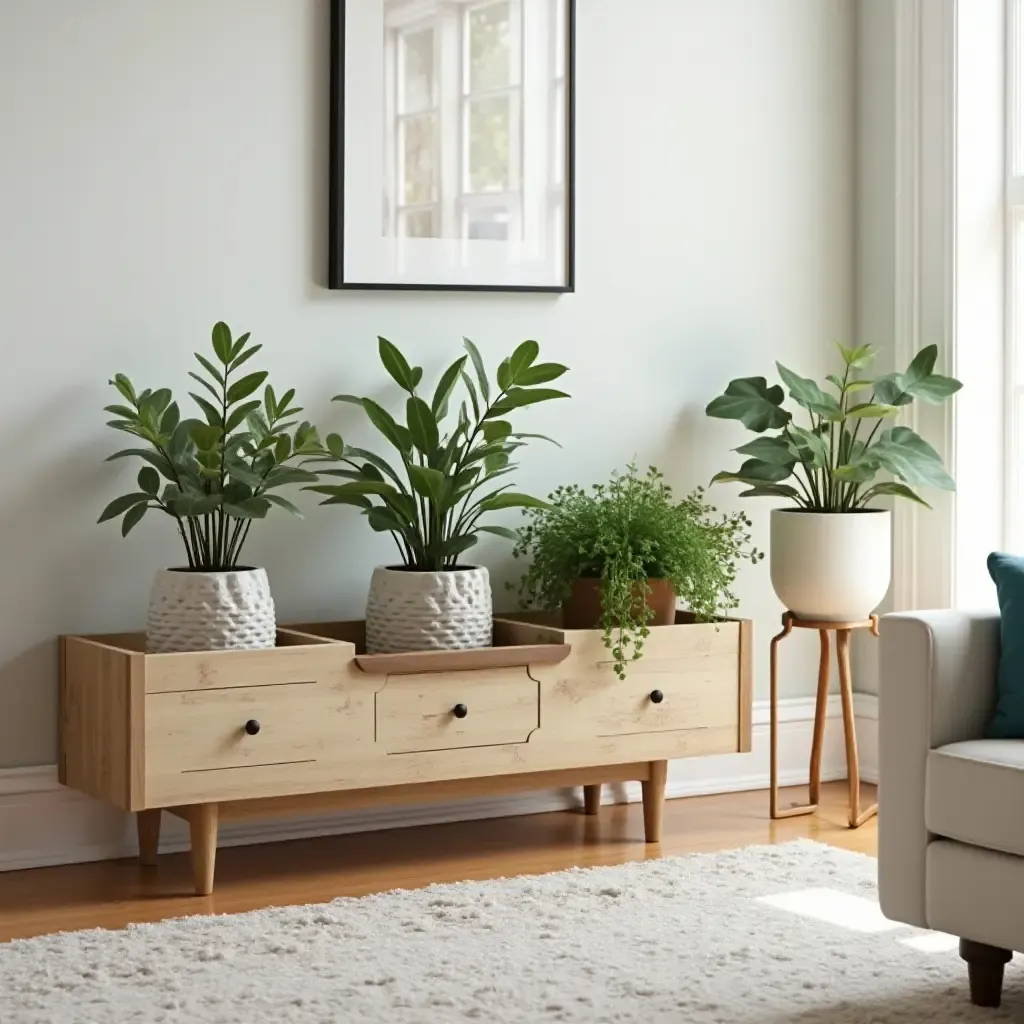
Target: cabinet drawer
(202, 730)
(421, 711)
(657, 695)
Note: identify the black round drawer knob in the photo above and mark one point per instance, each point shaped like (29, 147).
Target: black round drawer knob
(460, 711)
(657, 696)
(252, 727)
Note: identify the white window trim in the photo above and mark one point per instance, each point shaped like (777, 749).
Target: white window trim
(945, 74)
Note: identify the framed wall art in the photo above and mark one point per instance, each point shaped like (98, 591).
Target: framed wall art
(452, 144)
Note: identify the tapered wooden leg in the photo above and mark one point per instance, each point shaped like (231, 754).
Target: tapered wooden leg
(985, 965)
(773, 792)
(820, 711)
(592, 799)
(202, 820)
(147, 824)
(654, 800)
(857, 816)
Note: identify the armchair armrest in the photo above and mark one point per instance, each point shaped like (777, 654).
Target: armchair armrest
(937, 686)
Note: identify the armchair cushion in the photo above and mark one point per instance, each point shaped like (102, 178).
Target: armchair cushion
(1007, 572)
(974, 793)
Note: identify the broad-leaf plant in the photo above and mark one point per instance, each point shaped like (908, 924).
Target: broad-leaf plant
(213, 476)
(449, 454)
(831, 463)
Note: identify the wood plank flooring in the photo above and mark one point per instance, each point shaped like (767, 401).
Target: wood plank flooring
(112, 894)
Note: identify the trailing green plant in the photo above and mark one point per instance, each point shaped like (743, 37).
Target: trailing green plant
(213, 476)
(449, 454)
(625, 533)
(835, 459)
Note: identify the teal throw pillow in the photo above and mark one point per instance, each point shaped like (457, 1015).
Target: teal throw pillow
(1007, 572)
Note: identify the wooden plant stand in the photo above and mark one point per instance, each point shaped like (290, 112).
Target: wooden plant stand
(843, 631)
(317, 725)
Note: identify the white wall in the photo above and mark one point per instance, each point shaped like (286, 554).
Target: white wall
(163, 165)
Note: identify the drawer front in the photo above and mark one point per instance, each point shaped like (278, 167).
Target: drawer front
(657, 695)
(419, 711)
(205, 730)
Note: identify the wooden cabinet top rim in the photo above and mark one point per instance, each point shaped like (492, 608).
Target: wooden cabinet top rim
(134, 645)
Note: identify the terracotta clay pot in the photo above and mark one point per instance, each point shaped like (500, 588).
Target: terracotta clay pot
(583, 609)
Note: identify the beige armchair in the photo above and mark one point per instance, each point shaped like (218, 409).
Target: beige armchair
(951, 808)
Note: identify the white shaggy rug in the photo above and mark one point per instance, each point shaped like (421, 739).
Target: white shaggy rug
(765, 934)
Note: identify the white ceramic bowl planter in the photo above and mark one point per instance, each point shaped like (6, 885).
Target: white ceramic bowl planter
(210, 611)
(831, 566)
(428, 611)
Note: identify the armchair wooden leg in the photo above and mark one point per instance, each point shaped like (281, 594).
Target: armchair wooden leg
(985, 966)
(654, 800)
(147, 824)
(202, 820)
(592, 799)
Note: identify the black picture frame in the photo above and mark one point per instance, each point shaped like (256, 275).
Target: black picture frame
(336, 200)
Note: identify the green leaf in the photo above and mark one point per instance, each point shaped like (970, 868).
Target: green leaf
(239, 415)
(355, 487)
(205, 436)
(398, 435)
(500, 531)
(206, 384)
(750, 400)
(771, 491)
(858, 358)
(222, 342)
(921, 366)
(510, 499)
(244, 387)
(504, 375)
(754, 471)
(335, 445)
(481, 373)
(121, 410)
(239, 345)
(853, 386)
(870, 410)
(149, 480)
(522, 359)
(422, 426)
(910, 458)
(934, 389)
(456, 545)
(385, 520)
(445, 387)
(537, 437)
(496, 430)
(252, 508)
(170, 419)
(237, 361)
(428, 482)
(890, 390)
(124, 386)
(210, 369)
(775, 450)
(811, 448)
(132, 518)
(519, 397)
(210, 411)
(376, 460)
(283, 448)
(471, 388)
(121, 505)
(896, 490)
(358, 500)
(807, 393)
(396, 365)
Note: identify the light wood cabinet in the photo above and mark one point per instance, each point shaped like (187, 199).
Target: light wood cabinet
(316, 723)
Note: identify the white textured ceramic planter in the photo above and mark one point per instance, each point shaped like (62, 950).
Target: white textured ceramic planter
(210, 611)
(831, 566)
(428, 611)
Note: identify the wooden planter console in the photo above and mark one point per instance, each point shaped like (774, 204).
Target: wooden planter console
(316, 724)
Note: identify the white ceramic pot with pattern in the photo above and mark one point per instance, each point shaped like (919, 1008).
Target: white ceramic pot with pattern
(190, 610)
(831, 566)
(428, 611)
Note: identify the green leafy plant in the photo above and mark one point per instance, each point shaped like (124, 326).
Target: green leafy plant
(221, 472)
(835, 459)
(625, 533)
(432, 499)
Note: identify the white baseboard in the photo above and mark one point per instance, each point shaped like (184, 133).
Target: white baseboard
(42, 823)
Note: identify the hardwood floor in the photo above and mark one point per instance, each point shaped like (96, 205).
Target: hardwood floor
(112, 894)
